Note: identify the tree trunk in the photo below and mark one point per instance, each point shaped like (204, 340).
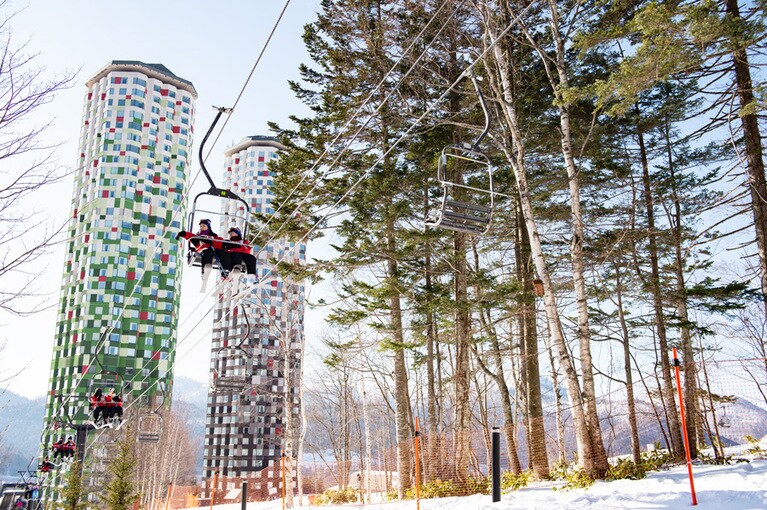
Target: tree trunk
(500, 380)
(462, 426)
(716, 441)
(630, 401)
(690, 376)
(576, 252)
(660, 321)
(754, 159)
(558, 408)
(516, 159)
(431, 393)
(402, 404)
(536, 437)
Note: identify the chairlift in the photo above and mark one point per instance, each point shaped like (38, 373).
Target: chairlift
(105, 395)
(200, 211)
(150, 423)
(724, 420)
(230, 372)
(457, 211)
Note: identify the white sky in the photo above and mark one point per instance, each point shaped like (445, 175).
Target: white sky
(214, 45)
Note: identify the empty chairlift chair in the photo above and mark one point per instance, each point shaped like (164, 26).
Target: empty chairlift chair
(724, 420)
(231, 362)
(150, 422)
(465, 206)
(463, 215)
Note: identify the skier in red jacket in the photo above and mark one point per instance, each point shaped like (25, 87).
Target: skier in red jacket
(208, 249)
(239, 251)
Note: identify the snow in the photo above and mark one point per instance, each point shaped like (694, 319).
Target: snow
(741, 486)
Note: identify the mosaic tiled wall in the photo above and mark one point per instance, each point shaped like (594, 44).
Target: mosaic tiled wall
(245, 426)
(121, 273)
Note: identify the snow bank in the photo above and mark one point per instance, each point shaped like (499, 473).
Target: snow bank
(733, 487)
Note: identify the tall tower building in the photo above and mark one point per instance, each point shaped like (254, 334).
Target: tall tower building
(118, 311)
(257, 344)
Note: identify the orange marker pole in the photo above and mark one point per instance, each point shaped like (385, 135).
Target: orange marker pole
(213, 492)
(283, 479)
(684, 429)
(417, 468)
(167, 497)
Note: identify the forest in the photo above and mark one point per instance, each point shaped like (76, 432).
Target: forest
(609, 155)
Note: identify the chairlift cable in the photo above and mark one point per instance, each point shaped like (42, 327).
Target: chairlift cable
(369, 170)
(394, 145)
(176, 210)
(361, 108)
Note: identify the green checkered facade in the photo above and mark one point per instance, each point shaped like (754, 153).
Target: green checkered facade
(121, 276)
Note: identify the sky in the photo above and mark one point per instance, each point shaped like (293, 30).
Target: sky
(212, 45)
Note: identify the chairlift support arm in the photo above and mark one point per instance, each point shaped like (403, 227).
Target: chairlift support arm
(483, 103)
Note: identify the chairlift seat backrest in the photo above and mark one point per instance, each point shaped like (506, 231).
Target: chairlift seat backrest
(462, 215)
(149, 428)
(105, 381)
(231, 375)
(232, 362)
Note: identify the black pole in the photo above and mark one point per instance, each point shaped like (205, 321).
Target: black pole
(205, 139)
(244, 502)
(496, 464)
(81, 437)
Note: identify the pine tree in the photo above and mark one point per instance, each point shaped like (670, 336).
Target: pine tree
(74, 495)
(121, 490)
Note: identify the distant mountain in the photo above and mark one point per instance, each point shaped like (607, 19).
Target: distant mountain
(745, 418)
(190, 399)
(21, 423)
(190, 391)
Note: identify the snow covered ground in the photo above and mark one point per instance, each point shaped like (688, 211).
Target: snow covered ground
(740, 486)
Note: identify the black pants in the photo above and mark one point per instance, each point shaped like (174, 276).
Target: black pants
(113, 411)
(209, 255)
(239, 258)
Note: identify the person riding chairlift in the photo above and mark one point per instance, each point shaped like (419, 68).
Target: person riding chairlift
(58, 448)
(69, 448)
(97, 404)
(114, 405)
(47, 465)
(239, 251)
(208, 250)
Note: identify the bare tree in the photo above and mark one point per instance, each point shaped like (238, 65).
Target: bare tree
(171, 460)
(27, 164)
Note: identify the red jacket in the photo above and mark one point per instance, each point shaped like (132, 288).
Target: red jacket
(237, 248)
(200, 245)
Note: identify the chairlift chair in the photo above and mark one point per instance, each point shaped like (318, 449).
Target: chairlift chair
(462, 215)
(200, 211)
(150, 423)
(105, 380)
(229, 375)
(724, 420)
(457, 212)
